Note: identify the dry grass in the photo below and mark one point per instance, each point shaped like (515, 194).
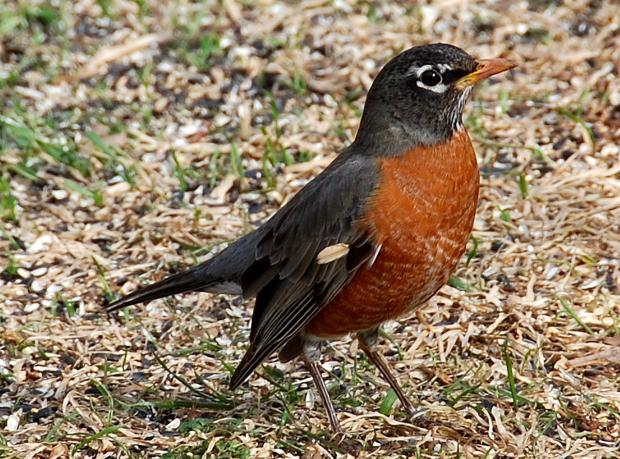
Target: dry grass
(137, 136)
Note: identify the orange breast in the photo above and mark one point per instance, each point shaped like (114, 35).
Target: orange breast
(422, 214)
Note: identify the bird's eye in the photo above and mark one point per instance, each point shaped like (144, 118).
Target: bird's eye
(430, 78)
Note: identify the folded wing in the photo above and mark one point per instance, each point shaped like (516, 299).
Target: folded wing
(291, 285)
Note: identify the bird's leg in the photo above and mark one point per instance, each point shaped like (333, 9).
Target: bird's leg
(310, 356)
(368, 342)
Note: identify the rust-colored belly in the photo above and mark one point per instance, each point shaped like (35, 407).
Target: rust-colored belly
(422, 214)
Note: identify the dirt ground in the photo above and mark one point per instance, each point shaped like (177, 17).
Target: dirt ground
(138, 137)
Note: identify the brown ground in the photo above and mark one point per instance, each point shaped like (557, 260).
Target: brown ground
(137, 136)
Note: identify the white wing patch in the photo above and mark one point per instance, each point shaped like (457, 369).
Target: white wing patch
(332, 253)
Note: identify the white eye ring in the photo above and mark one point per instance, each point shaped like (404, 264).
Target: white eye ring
(438, 88)
(421, 70)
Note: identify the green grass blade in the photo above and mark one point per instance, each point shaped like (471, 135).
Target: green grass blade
(388, 402)
(571, 312)
(460, 284)
(511, 377)
(106, 431)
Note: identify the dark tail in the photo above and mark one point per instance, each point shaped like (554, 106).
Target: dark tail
(197, 278)
(221, 274)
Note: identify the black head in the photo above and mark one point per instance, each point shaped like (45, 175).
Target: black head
(418, 97)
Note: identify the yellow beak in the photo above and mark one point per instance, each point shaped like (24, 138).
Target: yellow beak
(485, 69)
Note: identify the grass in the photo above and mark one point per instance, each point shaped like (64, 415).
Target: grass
(511, 377)
(577, 117)
(37, 150)
(105, 432)
(8, 203)
(572, 313)
(112, 158)
(185, 175)
(105, 190)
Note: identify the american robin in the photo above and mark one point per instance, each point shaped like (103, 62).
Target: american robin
(372, 237)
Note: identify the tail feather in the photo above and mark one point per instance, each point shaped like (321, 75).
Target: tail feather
(221, 274)
(194, 279)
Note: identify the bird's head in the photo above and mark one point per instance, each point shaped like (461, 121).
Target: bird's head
(420, 94)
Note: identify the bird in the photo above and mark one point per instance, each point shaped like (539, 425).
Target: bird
(372, 237)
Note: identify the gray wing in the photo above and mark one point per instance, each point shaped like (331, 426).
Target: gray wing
(290, 286)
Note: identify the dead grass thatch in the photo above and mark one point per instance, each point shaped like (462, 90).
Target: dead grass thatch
(137, 137)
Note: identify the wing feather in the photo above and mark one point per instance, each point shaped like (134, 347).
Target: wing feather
(291, 287)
